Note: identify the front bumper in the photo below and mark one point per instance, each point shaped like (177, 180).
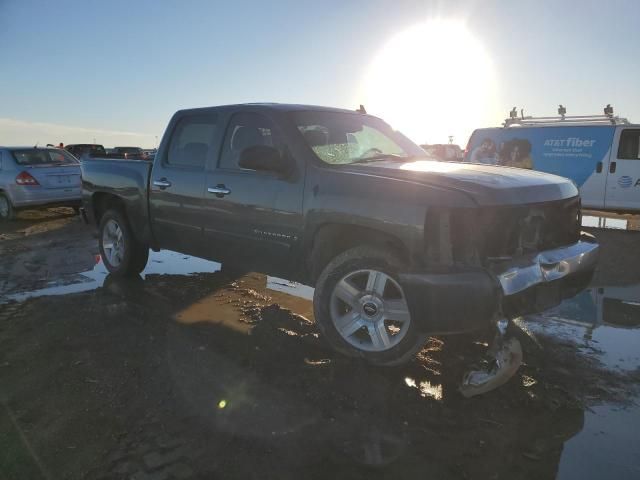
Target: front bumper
(468, 300)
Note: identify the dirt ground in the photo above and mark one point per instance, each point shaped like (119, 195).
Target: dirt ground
(212, 375)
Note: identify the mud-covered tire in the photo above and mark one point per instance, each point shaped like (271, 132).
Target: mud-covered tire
(344, 266)
(133, 255)
(7, 212)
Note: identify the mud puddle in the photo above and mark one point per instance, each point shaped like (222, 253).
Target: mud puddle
(612, 221)
(164, 262)
(603, 323)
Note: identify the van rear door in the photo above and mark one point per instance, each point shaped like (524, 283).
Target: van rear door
(623, 181)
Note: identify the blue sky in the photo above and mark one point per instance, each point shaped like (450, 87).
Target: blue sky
(77, 70)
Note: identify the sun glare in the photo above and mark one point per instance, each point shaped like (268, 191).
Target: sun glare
(431, 81)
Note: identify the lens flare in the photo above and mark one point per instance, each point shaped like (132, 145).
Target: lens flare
(431, 81)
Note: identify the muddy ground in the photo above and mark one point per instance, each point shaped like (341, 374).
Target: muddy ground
(199, 373)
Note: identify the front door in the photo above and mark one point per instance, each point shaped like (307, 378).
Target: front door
(254, 219)
(178, 181)
(623, 180)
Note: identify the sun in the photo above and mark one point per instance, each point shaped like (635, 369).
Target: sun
(431, 81)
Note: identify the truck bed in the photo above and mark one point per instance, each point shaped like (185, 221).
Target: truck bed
(126, 179)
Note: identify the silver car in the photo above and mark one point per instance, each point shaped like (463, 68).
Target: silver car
(33, 177)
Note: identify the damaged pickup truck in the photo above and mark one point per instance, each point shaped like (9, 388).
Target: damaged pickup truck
(397, 246)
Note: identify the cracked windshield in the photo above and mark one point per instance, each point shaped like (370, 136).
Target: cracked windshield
(375, 239)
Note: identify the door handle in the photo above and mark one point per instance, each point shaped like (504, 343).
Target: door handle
(612, 167)
(599, 167)
(162, 183)
(219, 190)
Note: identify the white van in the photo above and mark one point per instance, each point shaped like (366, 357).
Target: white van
(601, 154)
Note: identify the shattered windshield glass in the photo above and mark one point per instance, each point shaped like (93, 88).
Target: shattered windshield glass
(346, 138)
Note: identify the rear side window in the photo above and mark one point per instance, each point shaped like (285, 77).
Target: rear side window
(192, 141)
(43, 157)
(246, 130)
(629, 145)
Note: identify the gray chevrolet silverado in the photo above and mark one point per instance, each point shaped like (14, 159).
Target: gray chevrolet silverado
(398, 246)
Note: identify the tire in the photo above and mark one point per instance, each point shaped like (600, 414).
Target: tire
(359, 291)
(121, 253)
(7, 212)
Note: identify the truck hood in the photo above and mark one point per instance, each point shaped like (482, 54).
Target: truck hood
(485, 184)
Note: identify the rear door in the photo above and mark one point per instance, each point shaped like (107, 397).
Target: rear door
(178, 180)
(256, 221)
(623, 180)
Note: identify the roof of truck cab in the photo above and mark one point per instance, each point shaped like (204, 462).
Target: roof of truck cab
(284, 107)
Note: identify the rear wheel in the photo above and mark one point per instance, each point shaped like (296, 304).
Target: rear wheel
(121, 253)
(6, 209)
(361, 308)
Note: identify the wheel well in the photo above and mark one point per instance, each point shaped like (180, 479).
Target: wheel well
(105, 201)
(331, 240)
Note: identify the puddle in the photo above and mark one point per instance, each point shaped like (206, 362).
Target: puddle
(627, 222)
(426, 388)
(607, 446)
(163, 262)
(233, 304)
(603, 321)
(287, 294)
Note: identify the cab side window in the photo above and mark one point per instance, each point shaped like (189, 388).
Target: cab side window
(192, 141)
(629, 145)
(246, 130)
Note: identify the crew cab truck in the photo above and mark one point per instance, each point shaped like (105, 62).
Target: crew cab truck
(398, 246)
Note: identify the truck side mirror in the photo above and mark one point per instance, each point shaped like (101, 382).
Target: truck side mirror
(264, 158)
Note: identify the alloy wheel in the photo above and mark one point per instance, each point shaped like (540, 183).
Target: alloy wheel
(369, 310)
(113, 243)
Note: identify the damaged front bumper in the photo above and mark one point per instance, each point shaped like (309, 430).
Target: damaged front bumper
(471, 299)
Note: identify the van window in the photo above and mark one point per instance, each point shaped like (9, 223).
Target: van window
(629, 143)
(192, 141)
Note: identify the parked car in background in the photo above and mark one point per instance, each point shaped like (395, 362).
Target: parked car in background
(37, 177)
(79, 150)
(132, 153)
(397, 247)
(445, 152)
(150, 153)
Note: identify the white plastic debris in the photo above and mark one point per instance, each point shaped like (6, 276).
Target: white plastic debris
(507, 361)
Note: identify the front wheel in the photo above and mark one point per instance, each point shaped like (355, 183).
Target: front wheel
(361, 308)
(121, 253)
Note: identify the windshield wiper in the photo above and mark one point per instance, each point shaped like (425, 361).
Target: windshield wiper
(383, 156)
